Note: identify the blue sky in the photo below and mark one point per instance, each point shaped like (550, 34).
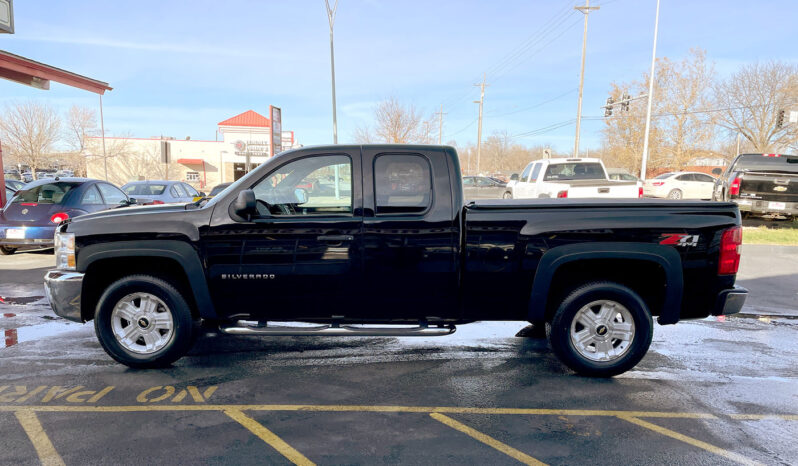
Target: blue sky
(180, 67)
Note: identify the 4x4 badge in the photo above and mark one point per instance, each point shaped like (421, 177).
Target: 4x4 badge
(680, 239)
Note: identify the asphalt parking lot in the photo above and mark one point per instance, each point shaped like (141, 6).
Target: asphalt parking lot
(716, 391)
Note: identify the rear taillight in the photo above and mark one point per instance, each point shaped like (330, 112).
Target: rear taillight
(640, 191)
(657, 183)
(730, 244)
(156, 202)
(734, 187)
(562, 194)
(59, 217)
(771, 155)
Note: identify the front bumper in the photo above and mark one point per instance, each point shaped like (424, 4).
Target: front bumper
(730, 301)
(63, 291)
(758, 206)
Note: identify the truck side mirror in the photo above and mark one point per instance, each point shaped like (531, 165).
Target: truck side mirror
(245, 204)
(716, 171)
(514, 177)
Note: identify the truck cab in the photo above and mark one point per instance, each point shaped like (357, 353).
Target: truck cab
(570, 178)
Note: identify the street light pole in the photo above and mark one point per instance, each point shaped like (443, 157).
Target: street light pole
(650, 97)
(481, 101)
(586, 11)
(331, 19)
(102, 126)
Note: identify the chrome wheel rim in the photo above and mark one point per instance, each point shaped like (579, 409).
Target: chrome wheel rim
(142, 323)
(675, 194)
(602, 331)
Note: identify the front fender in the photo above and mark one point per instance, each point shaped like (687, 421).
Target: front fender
(666, 257)
(180, 251)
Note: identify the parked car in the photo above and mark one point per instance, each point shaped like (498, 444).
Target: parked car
(680, 185)
(217, 189)
(161, 192)
(483, 187)
(399, 246)
(574, 178)
(761, 184)
(30, 218)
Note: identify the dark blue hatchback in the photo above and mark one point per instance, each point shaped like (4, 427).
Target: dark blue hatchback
(30, 218)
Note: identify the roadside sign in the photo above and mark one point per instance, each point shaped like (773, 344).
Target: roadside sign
(6, 17)
(276, 130)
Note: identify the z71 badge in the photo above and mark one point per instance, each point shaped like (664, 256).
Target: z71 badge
(680, 239)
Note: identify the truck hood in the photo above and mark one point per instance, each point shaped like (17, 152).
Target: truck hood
(147, 221)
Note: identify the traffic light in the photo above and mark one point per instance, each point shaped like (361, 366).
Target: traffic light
(625, 102)
(608, 107)
(781, 121)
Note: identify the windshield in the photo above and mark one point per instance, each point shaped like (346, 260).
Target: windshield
(757, 162)
(50, 193)
(575, 171)
(144, 189)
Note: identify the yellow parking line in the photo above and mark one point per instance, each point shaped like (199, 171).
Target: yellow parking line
(690, 440)
(486, 439)
(359, 408)
(269, 437)
(44, 448)
(783, 417)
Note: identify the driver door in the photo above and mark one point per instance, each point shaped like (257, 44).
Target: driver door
(300, 257)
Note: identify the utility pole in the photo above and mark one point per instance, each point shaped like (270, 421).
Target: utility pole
(440, 125)
(586, 11)
(481, 101)
(102, 126)
(331, 19)
(738, 145)
(650, 96)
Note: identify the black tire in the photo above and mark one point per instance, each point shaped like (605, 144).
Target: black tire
(7, 251)
(559, 329)
(507, 195)
(184, 327)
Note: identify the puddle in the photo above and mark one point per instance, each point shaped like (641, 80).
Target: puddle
(15, 336)
(19, 301)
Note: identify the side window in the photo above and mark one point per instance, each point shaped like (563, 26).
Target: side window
(402, 184)
(536, 172)
(190, 190)
(111, 194)
(307, 187)
(525, 173)
(91, 197)
(483, 182)
(686, 177)
(468, 181)
(177, 191)
(705, 178)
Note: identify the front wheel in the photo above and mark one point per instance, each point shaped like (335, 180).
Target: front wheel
(601, 329)
(143, 322)
(507, 195)
(7, 251)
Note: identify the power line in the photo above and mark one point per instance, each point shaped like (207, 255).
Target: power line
(545, 129)
(540, 104)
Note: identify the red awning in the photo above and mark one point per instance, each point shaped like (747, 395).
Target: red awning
(191, 161)
(32, 73)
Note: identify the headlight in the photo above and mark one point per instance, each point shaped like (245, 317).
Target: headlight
(65, 251)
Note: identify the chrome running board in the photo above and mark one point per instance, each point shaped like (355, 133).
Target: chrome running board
(339, 330)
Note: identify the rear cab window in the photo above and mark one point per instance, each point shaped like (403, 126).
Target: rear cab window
(50, 193)
(402, 184)
(757, 162)
(574, 171)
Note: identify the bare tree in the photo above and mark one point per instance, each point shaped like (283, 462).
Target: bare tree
(81, 122)
(29, 131)
(397, 123)
(752, 98)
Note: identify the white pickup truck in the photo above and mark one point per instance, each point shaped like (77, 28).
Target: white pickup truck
(572, 178)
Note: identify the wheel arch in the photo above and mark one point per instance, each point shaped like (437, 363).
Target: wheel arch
(176, 261)
(586, 260)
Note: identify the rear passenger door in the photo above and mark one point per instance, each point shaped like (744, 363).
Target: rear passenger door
(410, 235)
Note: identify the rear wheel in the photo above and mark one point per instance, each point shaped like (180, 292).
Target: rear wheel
(675, 194)
(601, 329)
(507, 195)
(7, 250)
(143, 321)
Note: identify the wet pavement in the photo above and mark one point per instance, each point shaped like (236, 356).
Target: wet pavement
(715, 391)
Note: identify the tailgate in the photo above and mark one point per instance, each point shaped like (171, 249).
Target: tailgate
(779, 187)
(603, 189)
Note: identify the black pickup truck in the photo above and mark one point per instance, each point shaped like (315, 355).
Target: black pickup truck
(335, 237)
(761, 184)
